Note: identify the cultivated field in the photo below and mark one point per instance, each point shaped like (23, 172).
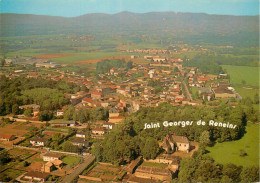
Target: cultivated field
(17, 129)
(229, 152)
(49, 56)
(104, 171)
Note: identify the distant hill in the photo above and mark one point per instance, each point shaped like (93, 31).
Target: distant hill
(25, 24)
(190, 27)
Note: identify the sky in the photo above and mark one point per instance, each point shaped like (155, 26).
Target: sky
(73, 8)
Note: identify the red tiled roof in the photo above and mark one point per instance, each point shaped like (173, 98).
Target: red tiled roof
(86, 99)
(203, 79)
(96, 93)
(112, 87)
(6, 136)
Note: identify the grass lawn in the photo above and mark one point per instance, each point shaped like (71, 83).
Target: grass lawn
(229, 152)
(151, 164)
(71, 160)
(238, 73)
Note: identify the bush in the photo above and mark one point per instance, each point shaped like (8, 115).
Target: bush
(242, 153)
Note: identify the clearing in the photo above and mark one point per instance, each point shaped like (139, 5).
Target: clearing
(229, 152)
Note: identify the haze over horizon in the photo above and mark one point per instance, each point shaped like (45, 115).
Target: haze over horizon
(74, 8)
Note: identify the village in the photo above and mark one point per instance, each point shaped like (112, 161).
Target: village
(59, 149)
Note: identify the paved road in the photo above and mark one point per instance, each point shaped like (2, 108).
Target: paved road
(86, 162)
(187, 91)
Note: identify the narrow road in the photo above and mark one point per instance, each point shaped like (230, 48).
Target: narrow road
(187, 91)
(86, 162)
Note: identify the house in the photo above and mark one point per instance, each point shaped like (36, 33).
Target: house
(98, 131)
(52, 156)
(108, 125)
(62, 123)
(33, 106)
(114, 112)
(96, 95)
(80, 142)
(206, 93)
(60, 112)
(52, 165)
(7, 137)
(48, 167)
(116, 119)
(174, 143)
(158, 59)
(36, 141)
(81, 134)
(36, 176)
(88, 102)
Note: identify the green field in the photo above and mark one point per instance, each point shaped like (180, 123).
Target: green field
(239, 73)
(229, 152)
(71, 160)
(246, 91)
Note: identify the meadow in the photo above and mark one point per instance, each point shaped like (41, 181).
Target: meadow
(229, 152)
(239, 73)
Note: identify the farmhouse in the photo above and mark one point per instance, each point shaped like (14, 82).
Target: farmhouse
(7, 137)
(174, 143)
(36, 176)
(36, 141)
(52, 156)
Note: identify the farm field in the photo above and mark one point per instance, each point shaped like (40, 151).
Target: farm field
(229, 152)
(239, 73)
(151, 164)
(104, 171)
(79, 57)
(16, 128)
